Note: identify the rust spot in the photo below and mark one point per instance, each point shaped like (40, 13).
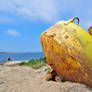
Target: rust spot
(66, 36)
(52, 46)
(52, 36)
(72, 58)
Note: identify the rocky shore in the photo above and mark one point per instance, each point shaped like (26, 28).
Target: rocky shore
(14, 78)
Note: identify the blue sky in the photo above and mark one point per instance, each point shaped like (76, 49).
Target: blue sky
(22, 21)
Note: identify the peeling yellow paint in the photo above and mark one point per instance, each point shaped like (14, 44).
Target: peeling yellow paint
(68, 49)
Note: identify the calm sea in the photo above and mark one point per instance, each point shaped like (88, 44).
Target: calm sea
(20, 56)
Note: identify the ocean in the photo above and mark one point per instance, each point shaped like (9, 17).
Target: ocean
(21, 56)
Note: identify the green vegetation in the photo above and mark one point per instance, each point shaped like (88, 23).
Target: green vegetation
(62, 79)
(47, 69)
(36, 64)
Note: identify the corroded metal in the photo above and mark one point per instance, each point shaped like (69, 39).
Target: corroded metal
(68, 50)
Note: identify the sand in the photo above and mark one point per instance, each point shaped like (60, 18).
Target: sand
(14, 78)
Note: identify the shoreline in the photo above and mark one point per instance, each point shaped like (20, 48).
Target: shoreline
(13, 62)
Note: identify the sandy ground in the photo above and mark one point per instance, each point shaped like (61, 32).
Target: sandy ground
(26, 79)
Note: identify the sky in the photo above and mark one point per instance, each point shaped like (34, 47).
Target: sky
(22, 21)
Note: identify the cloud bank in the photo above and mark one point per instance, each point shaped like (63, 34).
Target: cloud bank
(49, 10)
(31, 9)
(13, 33)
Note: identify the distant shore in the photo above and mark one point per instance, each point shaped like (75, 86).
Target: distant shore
(21, 52)
(6, 52)
(20, 56)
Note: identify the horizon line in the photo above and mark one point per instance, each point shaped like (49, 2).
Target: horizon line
(22, 52)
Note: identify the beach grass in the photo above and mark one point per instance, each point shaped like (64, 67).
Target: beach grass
(34, 63)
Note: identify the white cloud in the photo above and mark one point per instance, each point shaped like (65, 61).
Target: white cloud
(32, 9)
(49, 10)
(13, 33)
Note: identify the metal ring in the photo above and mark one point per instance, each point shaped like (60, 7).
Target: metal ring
(71, 20)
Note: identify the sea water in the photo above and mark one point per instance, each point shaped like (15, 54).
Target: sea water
(21, 56)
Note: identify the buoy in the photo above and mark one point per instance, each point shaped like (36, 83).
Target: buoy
(68, 50)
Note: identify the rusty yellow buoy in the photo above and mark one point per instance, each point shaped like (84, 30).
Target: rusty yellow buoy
(68, 50)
